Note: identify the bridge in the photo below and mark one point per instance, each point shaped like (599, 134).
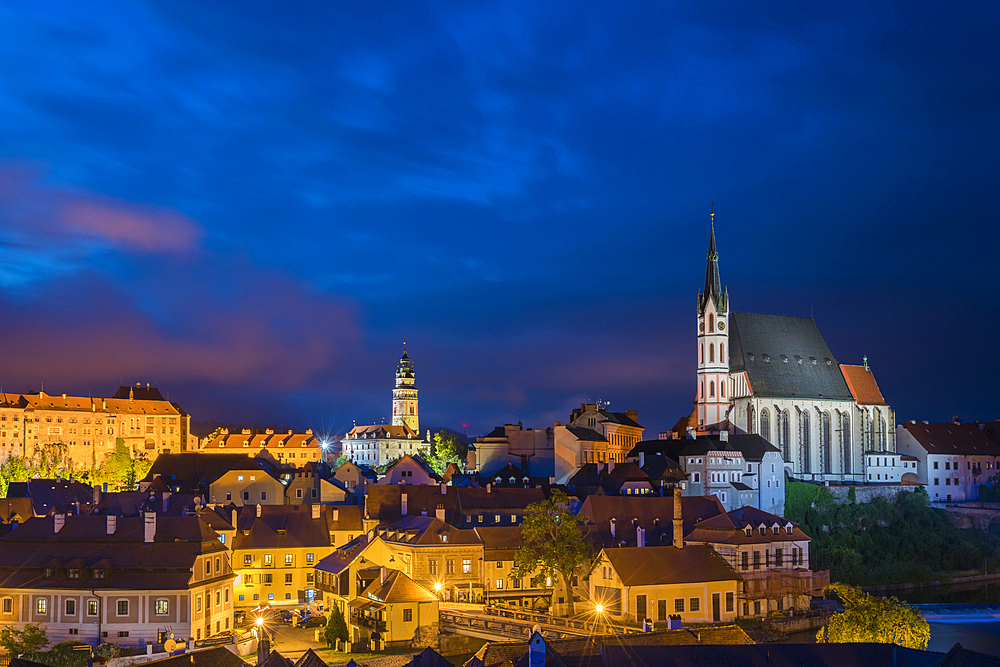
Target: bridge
(973, 515)
(495, 624)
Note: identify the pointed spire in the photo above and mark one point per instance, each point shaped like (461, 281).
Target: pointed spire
(713, 284)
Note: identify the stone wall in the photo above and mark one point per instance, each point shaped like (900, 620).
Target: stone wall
(868, 493)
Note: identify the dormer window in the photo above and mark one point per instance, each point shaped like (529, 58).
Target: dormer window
(788, 529)
(74, 573)
(444, 538)
(763, 530)
(748, 531)
(775, 530)
(97, 574)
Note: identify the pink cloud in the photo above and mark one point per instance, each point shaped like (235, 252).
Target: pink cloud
(43, 212)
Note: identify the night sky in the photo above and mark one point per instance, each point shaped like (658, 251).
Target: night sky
(251, 205)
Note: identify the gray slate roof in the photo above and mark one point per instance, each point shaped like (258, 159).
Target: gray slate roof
(785, 357)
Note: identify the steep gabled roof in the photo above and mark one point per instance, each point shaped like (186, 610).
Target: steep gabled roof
(861, 381)
(396, 588)
(652, 566)
(784, 357)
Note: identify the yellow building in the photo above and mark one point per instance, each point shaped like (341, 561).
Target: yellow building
(286, 448)
(87, 429)
(276, 547)
(250, 482)
(636, 583)
(397, 608)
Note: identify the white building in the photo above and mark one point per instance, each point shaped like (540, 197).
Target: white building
(775, 375)
(953, 458)
(529, 449)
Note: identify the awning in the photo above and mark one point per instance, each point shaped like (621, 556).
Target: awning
(361, 604)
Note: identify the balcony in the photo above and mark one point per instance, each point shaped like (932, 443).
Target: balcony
(367, 622)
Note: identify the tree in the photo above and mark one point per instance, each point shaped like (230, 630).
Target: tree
(336, 628)
(446, 448)
(554, 544)
(29, 640)
(341, 460)
(868, 618)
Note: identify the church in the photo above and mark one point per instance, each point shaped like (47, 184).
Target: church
(774, 375)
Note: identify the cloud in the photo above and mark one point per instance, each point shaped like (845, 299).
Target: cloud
(50, 228)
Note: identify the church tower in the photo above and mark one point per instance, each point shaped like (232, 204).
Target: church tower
(404, 396)
(713, 346)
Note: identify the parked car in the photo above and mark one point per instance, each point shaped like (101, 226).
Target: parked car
(312, 622)
(287, 616)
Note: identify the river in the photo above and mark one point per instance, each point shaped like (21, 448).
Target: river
(979, 635)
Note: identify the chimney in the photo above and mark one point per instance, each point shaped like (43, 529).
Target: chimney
(336, 515)
(149, 527)
(489, 488)
(642, 459)
(614, 523)
(97, 495)
(678, 521)
(611, 466)
(403, 506)
(263, 649)
(558, 423)
(234, 517)
(382, 573)
(258, 510)
(723, 436)
(640, 536)
(112, 524)
(444, 489)
(690, 433)
(58, 521)
(315, 510)
(166, 502)
(440, 511)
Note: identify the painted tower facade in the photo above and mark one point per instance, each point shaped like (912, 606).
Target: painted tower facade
(713, 346)
(404, 396)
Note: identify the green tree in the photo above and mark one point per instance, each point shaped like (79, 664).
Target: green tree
(554, 544)
(29, 640)
(868, 618)
(446, 448)
(336, 628)
(341, 460)
(14, 469)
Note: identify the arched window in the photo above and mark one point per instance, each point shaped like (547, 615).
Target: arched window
(711, 353)
(702, 353)
(711, 323)
(765, 424)
(722, 353)
(824, 442)
(722, 390)
(881, 434)
(805, 431)
(786, 435)
(703, 389)
(845, 442)
(711, 390)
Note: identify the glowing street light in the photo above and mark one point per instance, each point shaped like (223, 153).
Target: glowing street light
(260, 621)
(599, 608)
(437, 587)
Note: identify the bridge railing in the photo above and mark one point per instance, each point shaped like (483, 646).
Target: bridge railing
(513, 623)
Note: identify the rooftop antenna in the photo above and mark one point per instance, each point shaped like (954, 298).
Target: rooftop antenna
(865, 358)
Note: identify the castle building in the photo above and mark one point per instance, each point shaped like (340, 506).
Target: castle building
(775, 375)
(83, 431)
(404, 396)
(380, 444)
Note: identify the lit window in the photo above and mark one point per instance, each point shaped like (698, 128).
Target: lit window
(161, 607)
(123, 607)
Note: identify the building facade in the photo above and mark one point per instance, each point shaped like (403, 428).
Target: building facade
(290, 448)
(405, 410)
(952, 459)
(83, 431)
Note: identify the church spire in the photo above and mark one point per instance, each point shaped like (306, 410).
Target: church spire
(713, 284)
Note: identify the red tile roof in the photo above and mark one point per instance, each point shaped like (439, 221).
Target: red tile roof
(955, 439)
(862, 384)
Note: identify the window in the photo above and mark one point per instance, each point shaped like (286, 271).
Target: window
(499, 584)
(432, 566)
(239, 478)
(241, 598)
(92, 607)
(74, 573)
(197, 603)
(678, 605)
(161, 607)
(270, 596)
(466, 566)
(407, 615)
(246, 496)
(263, 495)
(288, 560)
(124, 633)
(288, 577)
(42, 606)
(267, 560)
(208, 566)
(267, 578)
(711, 353)
(449, 567)
(218, 565)
(123, 607)
(288, 596)
(695, 604)
(247, 559)
(70, 607)
(309, 558)
(229, 495)
(496, 519)
(298, 493)
(730, 602)
(227, 595)
(8, 605)
(935, 465)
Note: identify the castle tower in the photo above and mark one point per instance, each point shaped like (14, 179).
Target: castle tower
(404, 396)
(713, 346)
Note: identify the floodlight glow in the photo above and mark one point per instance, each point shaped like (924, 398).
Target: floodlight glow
(437, 587)
(600, 608)
(260, 621)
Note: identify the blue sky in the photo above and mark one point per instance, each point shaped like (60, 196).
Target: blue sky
(253, 206)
